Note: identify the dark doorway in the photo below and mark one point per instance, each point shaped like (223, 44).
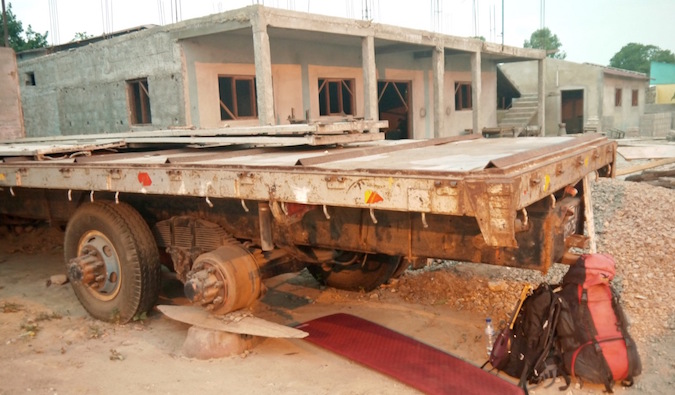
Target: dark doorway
(394, 106)
(572, 110)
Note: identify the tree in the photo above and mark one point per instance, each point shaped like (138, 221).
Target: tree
(638, 57)
(17, 39)
(544, 39)
(79, 36)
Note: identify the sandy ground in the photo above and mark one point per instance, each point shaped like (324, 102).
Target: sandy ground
(49, 345)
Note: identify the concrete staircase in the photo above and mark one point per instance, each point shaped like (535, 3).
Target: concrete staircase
(521, 112)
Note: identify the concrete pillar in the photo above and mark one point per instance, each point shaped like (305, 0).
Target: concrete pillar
(438, 60)
(541, 97)
(371, 104)
(476, 91)
(11, 115)
(263, 71)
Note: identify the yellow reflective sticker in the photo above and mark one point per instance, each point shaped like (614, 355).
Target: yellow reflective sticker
(547, 181)
(2, 177)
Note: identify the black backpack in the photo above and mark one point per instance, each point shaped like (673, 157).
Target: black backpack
(529, 351)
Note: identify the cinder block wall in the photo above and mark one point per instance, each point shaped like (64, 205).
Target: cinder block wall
(656, 125)
(84, 90)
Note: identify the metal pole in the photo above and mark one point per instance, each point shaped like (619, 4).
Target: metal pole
(4, 24)
(502, 22)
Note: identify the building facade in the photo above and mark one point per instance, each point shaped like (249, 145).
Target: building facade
(264, 66)
(584, 97)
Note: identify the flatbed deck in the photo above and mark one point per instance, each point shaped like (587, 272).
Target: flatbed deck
(490, 179)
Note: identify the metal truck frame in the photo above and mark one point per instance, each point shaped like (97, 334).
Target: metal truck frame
(255, 202)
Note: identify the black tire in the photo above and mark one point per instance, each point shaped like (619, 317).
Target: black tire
(359, 276)
(133, 266)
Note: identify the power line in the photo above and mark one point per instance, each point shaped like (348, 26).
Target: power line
(107, 17)
(437, 15)
(54, 22)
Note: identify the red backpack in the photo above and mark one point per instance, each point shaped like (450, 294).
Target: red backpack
(601, 350)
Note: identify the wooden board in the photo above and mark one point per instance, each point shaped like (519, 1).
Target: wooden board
(647, 152)
(236, 322)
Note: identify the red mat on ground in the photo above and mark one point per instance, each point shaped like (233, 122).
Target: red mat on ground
(421, 366)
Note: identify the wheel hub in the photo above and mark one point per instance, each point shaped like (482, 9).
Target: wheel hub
(88, 269)
(97, 266)
(224, 280)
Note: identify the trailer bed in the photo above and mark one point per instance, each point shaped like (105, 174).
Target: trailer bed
(490, 179)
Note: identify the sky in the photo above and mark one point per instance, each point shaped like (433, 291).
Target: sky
(589, 30)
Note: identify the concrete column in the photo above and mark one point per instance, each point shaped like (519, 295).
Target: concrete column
(476, 91)
(438, 60)
(263, 71)
(541, 97)
(372, 111)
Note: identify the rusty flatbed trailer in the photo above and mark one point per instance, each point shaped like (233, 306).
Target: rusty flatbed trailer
(355, 212)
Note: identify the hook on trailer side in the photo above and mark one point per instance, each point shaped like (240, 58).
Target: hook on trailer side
(372, 216)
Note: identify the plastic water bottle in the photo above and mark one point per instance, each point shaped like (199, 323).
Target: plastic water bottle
(489, 335)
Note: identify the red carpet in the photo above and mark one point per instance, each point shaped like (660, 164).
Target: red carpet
(420, 366)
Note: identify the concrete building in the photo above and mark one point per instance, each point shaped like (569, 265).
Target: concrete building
(585, 97)
(662, 78)
(259, 65)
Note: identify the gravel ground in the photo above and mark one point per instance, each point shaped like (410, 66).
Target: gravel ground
(635, 223)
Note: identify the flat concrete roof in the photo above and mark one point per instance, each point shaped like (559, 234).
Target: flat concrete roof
(295, 25)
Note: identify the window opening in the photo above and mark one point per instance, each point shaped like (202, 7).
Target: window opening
(394, 107)
(463, 96)
(30, 78)
(336, 97)
(237, 97)
(139, 101)
(634, 98)
(617, 97)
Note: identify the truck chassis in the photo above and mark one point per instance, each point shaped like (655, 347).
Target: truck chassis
(351, 207)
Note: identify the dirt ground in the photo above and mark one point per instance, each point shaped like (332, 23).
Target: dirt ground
(49, 345)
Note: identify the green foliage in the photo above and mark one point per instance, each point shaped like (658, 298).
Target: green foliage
(544, 39)
(17, 39)
(79, 36)
(637, 57)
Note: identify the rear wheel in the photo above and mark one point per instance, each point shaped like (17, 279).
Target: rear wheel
(112, 261)
(367, 272)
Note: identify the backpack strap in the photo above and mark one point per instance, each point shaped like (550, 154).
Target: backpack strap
(623, 321)
(584, 316)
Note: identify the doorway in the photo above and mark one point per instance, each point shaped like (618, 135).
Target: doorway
(394, 106)
(572, 110)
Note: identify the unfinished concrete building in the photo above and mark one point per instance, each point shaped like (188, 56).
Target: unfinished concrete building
(264, 66)
(584, 97)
